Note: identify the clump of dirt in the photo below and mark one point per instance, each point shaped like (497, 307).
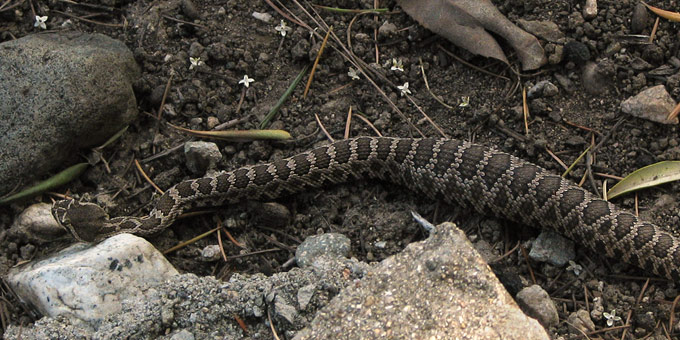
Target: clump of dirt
(227, 42)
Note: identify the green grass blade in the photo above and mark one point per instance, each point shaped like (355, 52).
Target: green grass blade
(57, 180)
(283, 98)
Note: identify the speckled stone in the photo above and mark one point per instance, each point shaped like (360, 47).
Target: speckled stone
(58, 93)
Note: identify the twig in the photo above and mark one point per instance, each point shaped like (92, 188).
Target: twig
(526, 258)
(193, 240)
(369, 124)
(141, 171)
(184, 22)
(316, 62)
(348, 122)
(557, 159)
(525, 110)
(471, 65)
(653, 34)
(323, 128)
(165, 96)
(86, 20)
(427, 85)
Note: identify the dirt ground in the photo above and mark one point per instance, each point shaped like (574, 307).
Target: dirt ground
(231, 43)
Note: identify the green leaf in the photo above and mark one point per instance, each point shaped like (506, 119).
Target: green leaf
(57, 180)
(284, 97)
(649, 176)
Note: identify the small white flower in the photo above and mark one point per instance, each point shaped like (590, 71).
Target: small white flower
(611, 318)
(576, 268)
(397, 65)
(404, 89)
(195, 62)
(283, 28)
(464, 101)
(246, 81)
(353, 74)
(40, 21)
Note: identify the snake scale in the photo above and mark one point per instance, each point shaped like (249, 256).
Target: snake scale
(471, 175)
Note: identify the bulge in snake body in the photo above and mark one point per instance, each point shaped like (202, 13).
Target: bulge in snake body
(490, 181)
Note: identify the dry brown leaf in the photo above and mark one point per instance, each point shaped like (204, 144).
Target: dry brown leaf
(463, 22)
(672, 16)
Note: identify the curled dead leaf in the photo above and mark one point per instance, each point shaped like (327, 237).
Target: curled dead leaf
(463, 22)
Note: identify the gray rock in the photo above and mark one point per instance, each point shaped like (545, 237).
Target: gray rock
(639, 20)
(565, 82)
(329, 244)
(284, 309)
(271, 214)
(387, 29)
(557, 55)
(485, 251)
(547, 30)
(201, 156)
(182, 335)
(652, 104)
(305, 294)
(552, 248)
(211, 253)
(543, 88)
(429, 280)
(536, 303)
(596, 78)
(205, 307)
(190, 10)
(436, 289)
(580, 321)
(90, 283)
(58, 93)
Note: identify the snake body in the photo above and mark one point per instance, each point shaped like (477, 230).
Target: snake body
(471, 175)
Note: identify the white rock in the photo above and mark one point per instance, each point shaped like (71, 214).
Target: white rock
(90, 282)
(36, 224)
(266, 17)
(653, 104)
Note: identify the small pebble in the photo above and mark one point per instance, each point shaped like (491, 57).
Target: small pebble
(211, 122)
(576, 52)
(189, 9)
(201, 156)
(652, 104)
(387, 29)
(580, 321)
(594, 81)
(590, 9)
(266, 17)
(305, 294)
(543, 88)
(639, 20)
(552, 248)
(211, 253)
(536, 302)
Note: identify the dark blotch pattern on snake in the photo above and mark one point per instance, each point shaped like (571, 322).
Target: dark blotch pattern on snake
(490, 181)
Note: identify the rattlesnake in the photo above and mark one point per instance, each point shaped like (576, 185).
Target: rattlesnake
(490, 181)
